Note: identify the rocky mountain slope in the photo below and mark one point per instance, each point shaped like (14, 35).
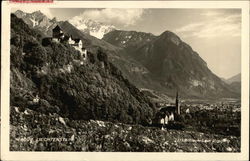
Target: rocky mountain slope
(128, 39)
(38, 20)
(91, 27)
(172, 63)
(54, 74)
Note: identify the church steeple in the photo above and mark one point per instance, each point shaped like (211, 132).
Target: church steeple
(176, 99)
(177, 104)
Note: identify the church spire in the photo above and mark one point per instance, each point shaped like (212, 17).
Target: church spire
(177, 104)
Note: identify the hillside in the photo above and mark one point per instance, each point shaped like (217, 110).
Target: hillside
(235, 82)
(95, 89)
(172, 63)
(236, 78)
(131, 69)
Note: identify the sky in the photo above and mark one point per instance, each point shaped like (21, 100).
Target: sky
(213, 33)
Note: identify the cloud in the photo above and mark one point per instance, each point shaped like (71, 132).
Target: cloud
(210, 13)
(125, 17)
(189, 27)
(213, 24)
(45, 11)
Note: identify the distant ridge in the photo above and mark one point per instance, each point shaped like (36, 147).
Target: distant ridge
(236, 78)
(91, 27)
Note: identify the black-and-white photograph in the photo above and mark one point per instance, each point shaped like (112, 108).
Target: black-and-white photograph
(125, 79)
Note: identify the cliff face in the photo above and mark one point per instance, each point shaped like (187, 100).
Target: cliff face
(37, 20)
(92, 89)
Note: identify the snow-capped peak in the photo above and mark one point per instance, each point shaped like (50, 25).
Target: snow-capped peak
(96, 29)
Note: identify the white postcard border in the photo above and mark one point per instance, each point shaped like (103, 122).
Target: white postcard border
(5, 77)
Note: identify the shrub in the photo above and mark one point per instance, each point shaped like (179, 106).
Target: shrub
(46, 41)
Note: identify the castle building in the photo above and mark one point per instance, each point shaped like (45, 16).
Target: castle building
(62, 34)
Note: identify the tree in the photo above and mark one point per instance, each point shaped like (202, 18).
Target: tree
(102, 57)
(35, 54)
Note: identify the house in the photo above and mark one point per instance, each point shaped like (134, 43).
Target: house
(36, 99)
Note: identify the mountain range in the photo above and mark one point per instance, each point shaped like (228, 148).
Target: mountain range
(91, 27)
(171, 62)
(40, 21)
(161, 63)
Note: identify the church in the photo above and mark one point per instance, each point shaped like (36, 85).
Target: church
(167, 113)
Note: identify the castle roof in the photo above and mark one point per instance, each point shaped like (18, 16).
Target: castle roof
(67, 30)
(56, 28)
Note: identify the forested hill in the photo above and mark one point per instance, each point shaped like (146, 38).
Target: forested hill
(69, 86)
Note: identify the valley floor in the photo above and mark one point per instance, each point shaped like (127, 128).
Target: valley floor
(34, 131)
